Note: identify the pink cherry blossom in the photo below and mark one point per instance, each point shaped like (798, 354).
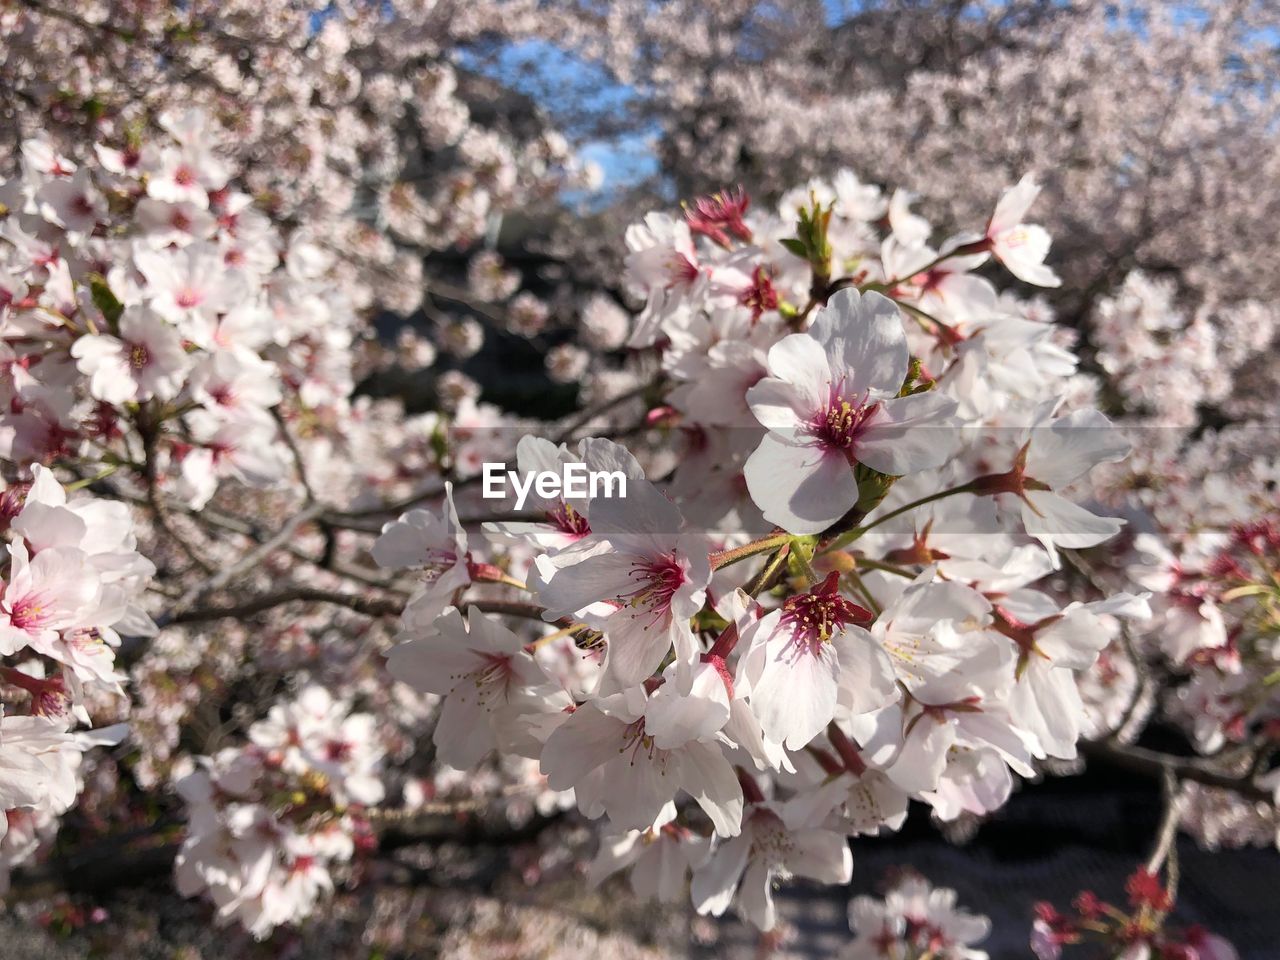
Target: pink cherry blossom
(832, 401)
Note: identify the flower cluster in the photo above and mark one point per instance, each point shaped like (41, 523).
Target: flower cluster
(874, 546)
(1219, 626)
(360, 123)
(70, 584)
(269, 821)
(152, 315)
(890, 414)
(915, 921)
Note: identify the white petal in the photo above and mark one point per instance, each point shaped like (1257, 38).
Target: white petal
(709, 778)
(909, 434)
(1068, 447)
(801, 489)
(602, 576)
(755, 899)
(799, 360)
(713, 884)
(638, 787)
(865, 343)
(585, 741)
(673, 717)
(636, 648)
(782, 406)
(1014, 204)
(867, 680)
(923, 756)
(1052, 519)
(643, 512)
(821, 855)
(795, 697)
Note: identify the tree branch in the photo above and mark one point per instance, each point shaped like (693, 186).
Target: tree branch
(1157, 765)
(369, 606)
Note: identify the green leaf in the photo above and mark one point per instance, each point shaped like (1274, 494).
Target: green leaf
(105, 300)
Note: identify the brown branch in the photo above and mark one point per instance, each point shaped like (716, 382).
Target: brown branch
(1164, 852)
(369, 606)
(508, 608)
(586, 416)
(251, 559)
(150, 432)
(292, 444)
(1159, 765)
(222, 520)
(361, 519)
(141, 856)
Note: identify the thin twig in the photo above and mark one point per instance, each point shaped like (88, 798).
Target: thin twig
(768, 575)
(1164, 846)
(156, 502)
(1154, 764)
(251, 559)
(586, 416)
(292, 444)
(369, 606)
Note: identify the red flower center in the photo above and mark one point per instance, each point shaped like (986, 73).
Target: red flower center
(569, 521)
(819, 615)
(657, 581)
(28, 612)
(842, 421)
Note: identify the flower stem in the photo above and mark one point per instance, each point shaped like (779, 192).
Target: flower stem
(725, 558)
(847, 538)
(87, 481)
(866, 594)
(769, 572)
(892, 568)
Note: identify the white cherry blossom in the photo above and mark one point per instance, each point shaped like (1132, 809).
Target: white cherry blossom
(832, 401)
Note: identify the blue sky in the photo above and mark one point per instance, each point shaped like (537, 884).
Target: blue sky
(551, 75)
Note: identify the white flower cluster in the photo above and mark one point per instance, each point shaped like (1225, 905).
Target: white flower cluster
(268, 821)
(148, 311)
(905, 441)
(845, 575)
(915, 921)
(70, 582)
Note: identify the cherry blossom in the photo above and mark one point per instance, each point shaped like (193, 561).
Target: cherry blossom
(481, 670)
(767, 851)
(912, 917)
(268, 308)
(46, 593)
(146, 360)
(1056, 452)
(254, 842)
(1021, 247)
(658, 860)
(803, 659)
(435, 544)
(650, 573)
(604, 752)
(832, 400)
